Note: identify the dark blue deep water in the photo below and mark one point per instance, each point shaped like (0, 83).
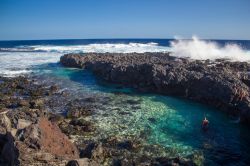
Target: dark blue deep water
(162, 42)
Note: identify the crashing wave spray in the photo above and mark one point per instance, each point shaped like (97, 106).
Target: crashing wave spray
(202, 50)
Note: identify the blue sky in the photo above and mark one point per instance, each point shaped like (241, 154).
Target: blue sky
(69, 19)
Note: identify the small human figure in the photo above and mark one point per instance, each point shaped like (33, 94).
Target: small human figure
(205, 123)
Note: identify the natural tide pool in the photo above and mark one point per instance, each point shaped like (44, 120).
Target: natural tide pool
(173, 125)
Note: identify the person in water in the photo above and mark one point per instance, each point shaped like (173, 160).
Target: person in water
(205, 123)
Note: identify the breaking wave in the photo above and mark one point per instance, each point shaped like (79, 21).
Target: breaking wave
(202, 50)
(100, 48)
(14, 64)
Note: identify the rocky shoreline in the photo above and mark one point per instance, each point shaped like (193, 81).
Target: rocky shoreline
(221, 83)
(32, 134)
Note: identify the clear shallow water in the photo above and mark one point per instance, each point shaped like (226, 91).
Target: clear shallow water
(170, 124)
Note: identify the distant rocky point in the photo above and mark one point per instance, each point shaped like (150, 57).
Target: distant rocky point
(218, 83)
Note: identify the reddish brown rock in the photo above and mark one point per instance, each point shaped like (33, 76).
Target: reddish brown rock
(54, 141)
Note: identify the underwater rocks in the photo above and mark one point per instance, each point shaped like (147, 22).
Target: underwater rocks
(219, 83)
(78, 108)
(32, 135)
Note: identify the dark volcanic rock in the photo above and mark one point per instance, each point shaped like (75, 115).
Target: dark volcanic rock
(76, 127)
(27, 137)
(220, 83)
(8, 152)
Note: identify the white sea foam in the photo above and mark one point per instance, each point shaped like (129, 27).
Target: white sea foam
(100, 48)
(18, 63)
(200, 49)
(13, 72)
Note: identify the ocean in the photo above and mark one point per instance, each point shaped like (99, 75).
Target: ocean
(171, 123)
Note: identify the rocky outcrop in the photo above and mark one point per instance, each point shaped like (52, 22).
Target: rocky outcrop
(27, 136)
(219, 83)
(34, 143)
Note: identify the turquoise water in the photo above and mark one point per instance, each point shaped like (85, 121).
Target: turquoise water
(172, 125)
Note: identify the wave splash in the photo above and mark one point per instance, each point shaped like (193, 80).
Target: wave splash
(202, 50)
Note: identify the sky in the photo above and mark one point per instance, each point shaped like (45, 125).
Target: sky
(87, 19)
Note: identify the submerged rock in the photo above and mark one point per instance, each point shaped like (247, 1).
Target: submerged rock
(79, 108)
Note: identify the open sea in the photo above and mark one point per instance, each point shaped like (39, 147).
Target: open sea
(172, 124)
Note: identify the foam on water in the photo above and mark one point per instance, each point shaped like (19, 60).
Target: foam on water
(100, 48)
(202, 50)
(18, 63)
